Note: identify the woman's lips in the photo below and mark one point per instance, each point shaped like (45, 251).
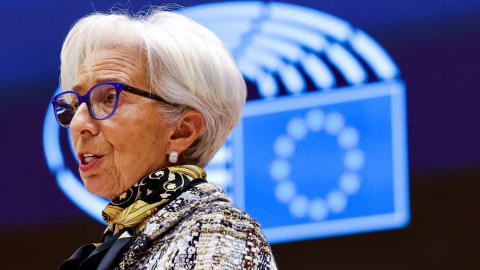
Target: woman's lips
(86, 167)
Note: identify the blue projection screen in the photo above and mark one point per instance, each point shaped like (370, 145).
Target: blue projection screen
(322, 150)
(324, 164)
(328, 156)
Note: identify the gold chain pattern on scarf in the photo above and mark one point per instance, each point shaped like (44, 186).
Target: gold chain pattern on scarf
(138, 211)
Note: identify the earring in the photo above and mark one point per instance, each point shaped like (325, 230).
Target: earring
(173, 156)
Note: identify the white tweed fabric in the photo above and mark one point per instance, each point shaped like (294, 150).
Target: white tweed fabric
(200, 229)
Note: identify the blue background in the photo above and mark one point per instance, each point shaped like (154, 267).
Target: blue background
(434, 43)
(318, 162)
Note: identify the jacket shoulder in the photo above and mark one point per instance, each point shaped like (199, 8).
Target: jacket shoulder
(208, 231)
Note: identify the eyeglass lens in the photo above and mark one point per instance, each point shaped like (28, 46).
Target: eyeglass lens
(102, 103)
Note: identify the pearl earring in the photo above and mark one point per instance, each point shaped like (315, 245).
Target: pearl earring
(173, 157)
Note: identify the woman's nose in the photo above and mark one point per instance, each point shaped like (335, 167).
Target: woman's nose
(83, 123)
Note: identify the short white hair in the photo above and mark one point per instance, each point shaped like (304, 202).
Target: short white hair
(186, 64)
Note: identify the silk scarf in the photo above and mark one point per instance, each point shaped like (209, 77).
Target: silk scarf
(130, 211)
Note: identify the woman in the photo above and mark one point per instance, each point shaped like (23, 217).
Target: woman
(151, 99)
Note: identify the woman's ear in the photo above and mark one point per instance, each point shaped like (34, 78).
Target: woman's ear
(187, 130)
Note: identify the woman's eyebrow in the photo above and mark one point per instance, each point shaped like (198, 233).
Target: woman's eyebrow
(76, 88)
(107, 79)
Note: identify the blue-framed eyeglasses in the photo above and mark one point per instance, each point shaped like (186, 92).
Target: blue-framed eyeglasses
(102, 101)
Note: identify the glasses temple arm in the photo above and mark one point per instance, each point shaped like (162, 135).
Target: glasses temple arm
(140, 92)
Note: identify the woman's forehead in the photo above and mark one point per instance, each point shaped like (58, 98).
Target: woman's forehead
(111, 64)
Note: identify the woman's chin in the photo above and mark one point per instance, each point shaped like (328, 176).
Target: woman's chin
(94, 186)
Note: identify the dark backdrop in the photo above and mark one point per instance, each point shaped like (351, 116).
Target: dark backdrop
(435, 44)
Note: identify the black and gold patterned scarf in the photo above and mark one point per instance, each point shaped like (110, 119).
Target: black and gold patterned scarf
(130, 211)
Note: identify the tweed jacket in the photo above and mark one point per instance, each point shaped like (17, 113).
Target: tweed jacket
(200, 229)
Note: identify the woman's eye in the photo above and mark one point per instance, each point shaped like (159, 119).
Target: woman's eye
(75, 104)
(110, 98)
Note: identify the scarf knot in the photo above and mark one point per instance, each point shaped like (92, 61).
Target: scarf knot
(130, 211)
(144, 198)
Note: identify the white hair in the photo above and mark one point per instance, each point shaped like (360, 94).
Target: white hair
(186, 64)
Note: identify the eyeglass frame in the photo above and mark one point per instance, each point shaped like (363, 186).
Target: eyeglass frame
(119, 87)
